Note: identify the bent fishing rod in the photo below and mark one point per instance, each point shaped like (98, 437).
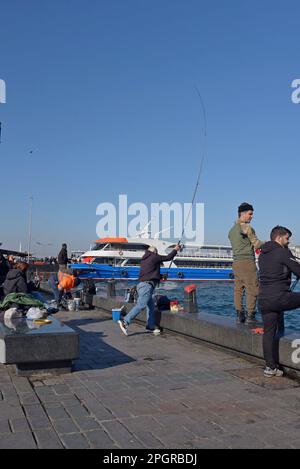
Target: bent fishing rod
(200, 168)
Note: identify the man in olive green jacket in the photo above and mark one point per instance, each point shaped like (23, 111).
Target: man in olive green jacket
(244, 242)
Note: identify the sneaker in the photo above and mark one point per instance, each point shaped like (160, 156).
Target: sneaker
(270, 372)
(241, 317)
(250, 318)
(123, 326)
(157, 331)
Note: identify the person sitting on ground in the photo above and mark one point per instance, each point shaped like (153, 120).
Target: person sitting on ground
(149, 278)
(16, 280)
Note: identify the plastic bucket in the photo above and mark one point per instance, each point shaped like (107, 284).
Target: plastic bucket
(116, 314)
(71, 305)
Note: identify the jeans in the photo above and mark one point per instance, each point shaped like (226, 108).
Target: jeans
(145, 292)
(53, 282)
(272, 310)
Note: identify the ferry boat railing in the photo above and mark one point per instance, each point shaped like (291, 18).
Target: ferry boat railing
(184, 254)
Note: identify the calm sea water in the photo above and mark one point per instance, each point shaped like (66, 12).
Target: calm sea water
(212, 298)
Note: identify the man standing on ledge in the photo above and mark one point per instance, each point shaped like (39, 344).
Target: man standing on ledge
(149, 278)
(244, 242)
(62, 258)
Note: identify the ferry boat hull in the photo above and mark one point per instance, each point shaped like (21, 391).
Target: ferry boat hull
(184, 274)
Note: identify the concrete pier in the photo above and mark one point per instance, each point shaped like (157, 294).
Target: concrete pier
(142, 391)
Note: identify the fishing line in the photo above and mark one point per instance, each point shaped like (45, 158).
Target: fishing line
(201, 164)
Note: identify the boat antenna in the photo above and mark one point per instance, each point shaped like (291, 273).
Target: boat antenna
(204, 152)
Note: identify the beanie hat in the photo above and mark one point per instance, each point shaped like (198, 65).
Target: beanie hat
(152, 249)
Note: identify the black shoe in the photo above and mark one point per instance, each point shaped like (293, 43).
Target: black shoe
(241, 317)
(250, 319)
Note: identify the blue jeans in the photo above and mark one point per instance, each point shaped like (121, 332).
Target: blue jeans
(145, 291)
(52, 282)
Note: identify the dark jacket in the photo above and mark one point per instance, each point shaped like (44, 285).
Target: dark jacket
(4, 268)
(15, 282)
(62, 257)
(276, 265)
(150, 265)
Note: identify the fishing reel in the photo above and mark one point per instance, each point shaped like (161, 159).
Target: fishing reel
(163, 277)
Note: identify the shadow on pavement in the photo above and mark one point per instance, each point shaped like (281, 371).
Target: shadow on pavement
(95, 353)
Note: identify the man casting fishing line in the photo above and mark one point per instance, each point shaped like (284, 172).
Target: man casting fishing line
(149, 279)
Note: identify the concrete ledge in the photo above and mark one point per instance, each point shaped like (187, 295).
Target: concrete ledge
(51, 346)
(215, 330)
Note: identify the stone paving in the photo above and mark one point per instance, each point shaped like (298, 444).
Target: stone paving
(143, 391)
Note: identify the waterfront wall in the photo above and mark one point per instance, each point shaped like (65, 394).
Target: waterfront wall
(216, 331)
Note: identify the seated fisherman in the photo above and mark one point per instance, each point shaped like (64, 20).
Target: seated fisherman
(16, 280)
(66, 282)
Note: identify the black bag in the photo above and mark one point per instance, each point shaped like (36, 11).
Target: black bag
(162, 302)
(89, 287)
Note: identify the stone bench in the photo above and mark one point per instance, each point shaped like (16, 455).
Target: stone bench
(32, 348)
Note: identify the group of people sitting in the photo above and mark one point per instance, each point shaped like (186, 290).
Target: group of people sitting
(14, 280)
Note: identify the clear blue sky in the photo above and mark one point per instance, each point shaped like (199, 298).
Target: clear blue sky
(103, 93)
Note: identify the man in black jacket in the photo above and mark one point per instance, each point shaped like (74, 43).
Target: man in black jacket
(149, 278)
(276, 265)
(62, 258)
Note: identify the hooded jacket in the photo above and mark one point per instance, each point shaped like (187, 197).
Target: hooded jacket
(276, 265)
(150, 265)
(15, 282)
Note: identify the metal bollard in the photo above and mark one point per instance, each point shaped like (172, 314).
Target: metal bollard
(190, 299)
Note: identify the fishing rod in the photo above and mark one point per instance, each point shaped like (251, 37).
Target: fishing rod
(200, 168)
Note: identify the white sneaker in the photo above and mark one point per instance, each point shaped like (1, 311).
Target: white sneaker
(156, 331)
(270, 372)
(123, 326)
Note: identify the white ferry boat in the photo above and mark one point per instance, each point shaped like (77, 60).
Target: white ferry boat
(119, 258)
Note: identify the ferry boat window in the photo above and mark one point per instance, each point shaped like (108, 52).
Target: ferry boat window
(202, 265)
(133, 262)
(104, 260)
(129, 246)
(120, 247)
